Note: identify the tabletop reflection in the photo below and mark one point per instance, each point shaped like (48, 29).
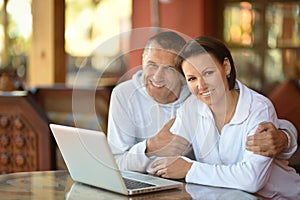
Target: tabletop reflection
(59, 185)
(206, 192)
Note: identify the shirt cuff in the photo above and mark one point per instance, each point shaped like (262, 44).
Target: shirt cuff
(288, 137)
(187, 159)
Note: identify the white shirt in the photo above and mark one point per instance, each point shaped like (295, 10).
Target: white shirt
(222, 159)
(134, 116)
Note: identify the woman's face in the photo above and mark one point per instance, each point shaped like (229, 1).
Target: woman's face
(206, 77)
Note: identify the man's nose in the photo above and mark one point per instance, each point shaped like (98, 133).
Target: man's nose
(159, 73)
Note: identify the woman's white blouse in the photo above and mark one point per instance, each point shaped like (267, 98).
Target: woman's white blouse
(222, 158)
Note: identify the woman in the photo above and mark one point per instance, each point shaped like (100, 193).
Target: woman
(217, 119)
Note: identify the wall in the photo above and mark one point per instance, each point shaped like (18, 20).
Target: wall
(190, 17)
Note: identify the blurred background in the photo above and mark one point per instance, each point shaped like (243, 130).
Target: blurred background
(44, 44)
(263, 35)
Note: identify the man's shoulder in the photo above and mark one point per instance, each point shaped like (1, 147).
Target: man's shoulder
(125, 86)
(127, 90)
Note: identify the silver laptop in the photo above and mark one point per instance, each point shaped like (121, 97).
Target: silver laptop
(89, 160)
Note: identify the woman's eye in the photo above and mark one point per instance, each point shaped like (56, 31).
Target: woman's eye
(207, 73)
(191, 78)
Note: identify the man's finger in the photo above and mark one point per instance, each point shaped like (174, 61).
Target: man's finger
(258, 136)
(264, 126)
(261, 128)
(257, 148)
(168, 125)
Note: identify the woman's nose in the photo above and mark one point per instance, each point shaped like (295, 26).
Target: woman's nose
(201, 84)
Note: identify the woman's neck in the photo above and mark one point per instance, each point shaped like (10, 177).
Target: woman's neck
(224, 110)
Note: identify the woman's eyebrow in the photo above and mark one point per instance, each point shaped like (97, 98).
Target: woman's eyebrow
(206, 68)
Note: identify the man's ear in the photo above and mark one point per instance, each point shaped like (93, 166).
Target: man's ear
(227, 66)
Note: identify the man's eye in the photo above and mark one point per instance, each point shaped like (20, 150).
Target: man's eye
(152, 65)
(170, 69)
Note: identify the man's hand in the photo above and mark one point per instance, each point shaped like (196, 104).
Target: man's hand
(164, 143)
(267, 140)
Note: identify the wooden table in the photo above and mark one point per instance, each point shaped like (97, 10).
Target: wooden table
(59, 185)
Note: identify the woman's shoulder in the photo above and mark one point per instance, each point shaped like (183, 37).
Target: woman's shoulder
(260, 98)
(257, 100)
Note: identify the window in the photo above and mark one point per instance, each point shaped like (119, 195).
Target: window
(264, 37)
(89, 24)
(15, 33)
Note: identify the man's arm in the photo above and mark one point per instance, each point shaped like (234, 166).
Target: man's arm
(273, 142)
(129, 153)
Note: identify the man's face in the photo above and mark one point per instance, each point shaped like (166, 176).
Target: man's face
(161, 79)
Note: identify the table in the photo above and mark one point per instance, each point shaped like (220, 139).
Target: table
(59, 185)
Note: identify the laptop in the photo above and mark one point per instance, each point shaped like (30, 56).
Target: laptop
(89, 160)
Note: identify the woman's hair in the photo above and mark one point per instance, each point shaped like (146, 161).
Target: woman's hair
(212, 46)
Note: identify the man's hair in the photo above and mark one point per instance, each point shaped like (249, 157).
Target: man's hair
(167, 40)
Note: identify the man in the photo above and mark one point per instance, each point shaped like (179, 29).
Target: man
(142, 110)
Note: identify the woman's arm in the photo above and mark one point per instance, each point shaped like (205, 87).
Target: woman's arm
(273, 142)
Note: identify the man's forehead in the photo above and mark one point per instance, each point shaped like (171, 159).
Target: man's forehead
(162, 52)
(161, 58)
(161, 55)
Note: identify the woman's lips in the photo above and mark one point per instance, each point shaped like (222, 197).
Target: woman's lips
(207, 93)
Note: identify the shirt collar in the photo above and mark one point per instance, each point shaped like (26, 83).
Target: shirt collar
(244, 103)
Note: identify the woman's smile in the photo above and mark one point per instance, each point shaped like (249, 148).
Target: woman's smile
(207, 93)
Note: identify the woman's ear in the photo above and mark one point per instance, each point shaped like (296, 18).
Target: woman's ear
(227, 66)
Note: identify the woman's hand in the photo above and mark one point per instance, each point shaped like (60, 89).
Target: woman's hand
(171, 167)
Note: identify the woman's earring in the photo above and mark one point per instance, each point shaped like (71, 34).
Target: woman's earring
(228, 76)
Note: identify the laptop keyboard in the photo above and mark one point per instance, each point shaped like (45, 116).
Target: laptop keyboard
(133, 184)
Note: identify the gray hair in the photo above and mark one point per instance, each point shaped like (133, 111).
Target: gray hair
(167, 40)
